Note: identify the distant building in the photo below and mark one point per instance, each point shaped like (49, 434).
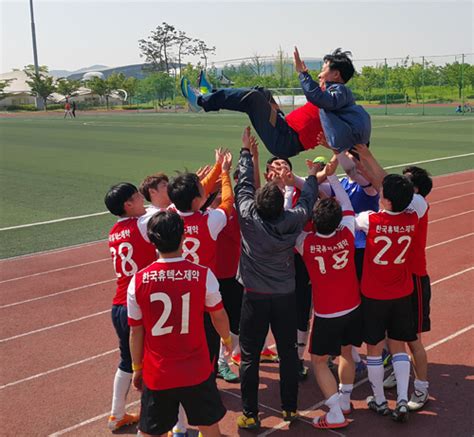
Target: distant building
(18, 90)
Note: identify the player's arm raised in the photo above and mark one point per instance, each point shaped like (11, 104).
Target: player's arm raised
(245, 188)
(210, 180)
(374, 170)
(227, 201)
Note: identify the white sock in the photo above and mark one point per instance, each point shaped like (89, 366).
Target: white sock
(222, 358)
(401, 367)
(302, 340)
(376, 372)
(122, 382)
(182, 423)
(345, 391)
(355, 355)
(421, 385)
(235, 344)
(335, 413)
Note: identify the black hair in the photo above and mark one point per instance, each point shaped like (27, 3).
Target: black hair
(399, 190)
(183, 189)
(117, 196)
(327, 215)
(341, 61)
(269, 201)
(276, 158)
(151, 182)
(420, 178)
(165, 230)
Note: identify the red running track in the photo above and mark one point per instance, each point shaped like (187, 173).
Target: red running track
(59, 348)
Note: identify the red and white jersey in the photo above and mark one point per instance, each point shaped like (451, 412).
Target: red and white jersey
(329, 260)
(169, 299)
(131, 251)
(201, 230)
(228, 248)
(386, 274)
(417, 257)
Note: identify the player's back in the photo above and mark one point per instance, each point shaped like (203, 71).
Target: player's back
(130, 253)
(386, 273)
(171, 294)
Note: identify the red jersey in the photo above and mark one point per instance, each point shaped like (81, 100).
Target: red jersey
(417, 257)
(308, 227)
(201, 230)
(329, 260)
(130, 252)
(228, 248)
(169, 298)
(306, 123)
(386, 274)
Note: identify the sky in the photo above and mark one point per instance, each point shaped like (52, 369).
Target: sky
(72, 34)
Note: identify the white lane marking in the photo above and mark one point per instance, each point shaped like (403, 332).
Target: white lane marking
(54, 270)
(28, 225)
(450, 241)
(47, 328)
(450, 216)
(441, 187)
(82, 287)
(451, 198)
(452, 276)
(67, 366)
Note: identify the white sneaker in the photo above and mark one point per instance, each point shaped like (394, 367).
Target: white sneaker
(390, 381)
(418, 400)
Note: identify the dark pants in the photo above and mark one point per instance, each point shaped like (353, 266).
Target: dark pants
(120, 322)
(279, 138)
(213, 341)
(259, 312)
(232, 291)
(359, 261)
(303, 294)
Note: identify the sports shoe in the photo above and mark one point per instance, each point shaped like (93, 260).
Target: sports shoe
(360, 369)
(179, 433)
(203, 84)
(401, 412)
(268, 356)
(390, 381)
(224, 372)
(302, 371)
(190, 94)
(245, 422)
(235, 359)
(128, 418)
(386, 357)
(289, 416)
(381, 409)
(418, 400)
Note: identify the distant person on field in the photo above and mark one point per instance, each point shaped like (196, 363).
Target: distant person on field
(67, 109)
(459, 109)
(74, 108)
(131, 251)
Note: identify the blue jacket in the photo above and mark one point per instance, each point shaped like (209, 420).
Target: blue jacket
(345, 124)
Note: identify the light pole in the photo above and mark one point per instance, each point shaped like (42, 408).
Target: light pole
(39, 101)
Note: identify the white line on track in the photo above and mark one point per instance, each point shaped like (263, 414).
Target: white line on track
(363, 381)
(47, 328)
(446, 278)
(28, 225)
(450, 216)
(82, 287)
(451, 198)
(67, 366)
(450, 241)
(442, 187)
(54, 270)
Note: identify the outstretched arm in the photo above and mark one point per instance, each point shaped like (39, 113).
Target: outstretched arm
(227, 201)
(245, 188)
(210, 180)
(374, 170)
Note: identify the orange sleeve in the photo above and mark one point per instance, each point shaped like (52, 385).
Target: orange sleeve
(209, 182)
(227, 201)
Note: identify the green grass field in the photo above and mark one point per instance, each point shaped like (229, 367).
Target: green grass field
(54, 168)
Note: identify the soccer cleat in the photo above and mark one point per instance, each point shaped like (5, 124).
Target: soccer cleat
(245, 422)
(289, 416)
(390, 381)
(224, 372)
(190, 94)
(235, 359)
(203, 84)
(268, 356)
(386, 357)
(418, 400)
(178, 433)
(302, 371)
(360, 369)
(115, 424)
(381, 409)
(401, 412)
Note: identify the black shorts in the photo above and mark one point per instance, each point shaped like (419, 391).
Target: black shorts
(329, 335)
(421, 303)
(359, 261)
(120, 322)
(232, 292)
(392, 317)
(159, 408)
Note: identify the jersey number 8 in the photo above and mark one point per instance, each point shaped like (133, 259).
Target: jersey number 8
(128, 267)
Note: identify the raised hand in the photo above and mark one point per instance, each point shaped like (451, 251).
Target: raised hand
(220, 154)
(300, 66)
(253, 146)
(202, 172)
(246, 138)
(227, 164)
(312, 167)
(331, 166)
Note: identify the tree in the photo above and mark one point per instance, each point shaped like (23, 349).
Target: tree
(67, 87)
(158, 87)
(156, 49)
(458, 75)
(414, 78)
(40, 83)
(130, 85)
(204, 50)
(101, 87)
(185, 47)
(281, 67)
(257, 64)
(3, 85)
